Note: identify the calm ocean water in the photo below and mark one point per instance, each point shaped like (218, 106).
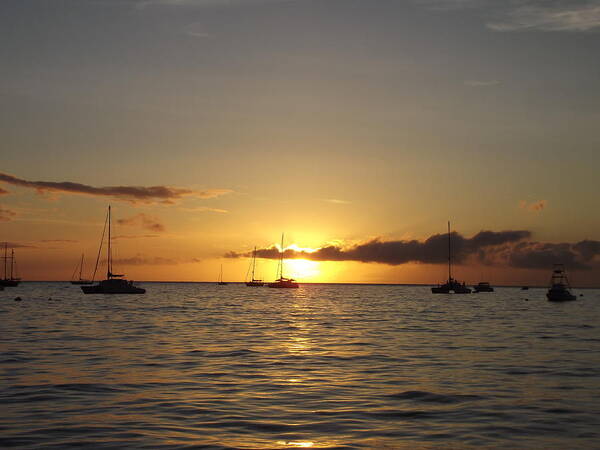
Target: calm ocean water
(324, 366)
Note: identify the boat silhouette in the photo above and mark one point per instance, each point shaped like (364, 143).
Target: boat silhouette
(451, 285)
(282, 282)
(80, 280)
(559, 286)
(9, 279)
(114, 283)
(254, 282)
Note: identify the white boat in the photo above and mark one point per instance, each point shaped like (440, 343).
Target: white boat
(282, 282)
(451, 285)
(559, 286)
(114, 283)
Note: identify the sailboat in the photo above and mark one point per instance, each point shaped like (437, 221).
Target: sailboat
(559, 286)
(451, 285)
(9, 279)
(254, 282)
(114, 283)
(80, 280)
(282, 282)
(221, 282)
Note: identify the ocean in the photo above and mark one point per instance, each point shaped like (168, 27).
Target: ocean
(195, 365)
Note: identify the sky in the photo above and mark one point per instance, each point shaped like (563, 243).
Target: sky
(356, 127)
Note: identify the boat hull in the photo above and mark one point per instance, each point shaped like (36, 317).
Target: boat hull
(560, 297)
(255, 283)
(9, 283)
(79, 282)
(113, 287)
(283, 285)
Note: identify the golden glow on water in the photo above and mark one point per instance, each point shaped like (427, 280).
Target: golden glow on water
(296, 444)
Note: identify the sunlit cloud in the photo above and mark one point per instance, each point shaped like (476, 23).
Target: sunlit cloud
(337, 201)
(133, 194)
(136, 236)
(533, 206)
(144, 221)
(4, 191)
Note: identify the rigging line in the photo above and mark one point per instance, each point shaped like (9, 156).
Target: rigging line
(100, 249)
(73, 275)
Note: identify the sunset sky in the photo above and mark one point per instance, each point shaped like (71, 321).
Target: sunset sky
(357, 127)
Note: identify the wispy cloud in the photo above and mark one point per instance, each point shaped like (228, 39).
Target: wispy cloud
(204, 209)
(481, 83)
(136, 236)
(143, 260)
(144, 221)
(58, 241)
(133, 194)
(551, 16)
(6, 215)
(536, 206)
(336, 201)
(4, 191)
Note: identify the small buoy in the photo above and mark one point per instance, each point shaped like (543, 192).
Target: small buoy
(18, 299)
(581, 295)
(49, 299)
(526, 299)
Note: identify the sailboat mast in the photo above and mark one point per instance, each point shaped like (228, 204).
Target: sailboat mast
(5, 257)
(109, 262)
(281, 259)
(449, 255)
(12, 262)
(253, 262)
(81, 267)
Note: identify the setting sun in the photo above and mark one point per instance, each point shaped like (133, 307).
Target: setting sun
(302, 269)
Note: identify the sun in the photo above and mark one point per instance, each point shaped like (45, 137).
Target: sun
(301, 268)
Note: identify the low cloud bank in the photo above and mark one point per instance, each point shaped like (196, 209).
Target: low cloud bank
(503, 248)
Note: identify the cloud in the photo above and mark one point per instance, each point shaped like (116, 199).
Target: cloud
(133, 194)
(143, 221)
(16, 245)
(136, 236)
(60, 241)
(336, 201)
(4, 191)
(142, 260)
(204, 209)
(481, 83)
(533, 206)
(6, 215)
(571, 16)
(433, 250)
(539, 255)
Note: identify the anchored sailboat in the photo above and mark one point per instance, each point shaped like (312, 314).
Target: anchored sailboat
(9, 279)
(80, 280)
(282, 282)
(221, 282)
(113, 284)
(254, 282)
(451, 285)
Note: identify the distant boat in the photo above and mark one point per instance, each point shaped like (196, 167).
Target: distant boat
(559, 286)
(483, 286)
(9, 279)
(113, 284)
(221, 282)
(451, 285)
(282, 282)
(80, 280)
(254, 282)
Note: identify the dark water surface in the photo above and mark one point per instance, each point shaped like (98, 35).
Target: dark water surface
(199, 365)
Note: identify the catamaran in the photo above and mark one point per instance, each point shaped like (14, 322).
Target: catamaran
(282, 282)
(9, 279)
(559, 286)
(254, 282)
(451, 285)
(114, 283)
(80, 280)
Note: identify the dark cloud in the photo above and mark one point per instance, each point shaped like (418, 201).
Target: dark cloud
(6, 215)
(150, 194)
(60, 241)
(136, 236)
(15, 245)
(433, 250)
(4, 191)
(540, 255)
(143, 221)
(142, 260)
